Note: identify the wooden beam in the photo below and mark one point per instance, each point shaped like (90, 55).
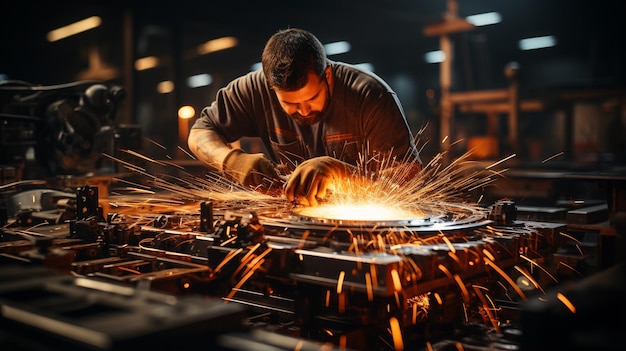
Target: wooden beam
(479, 95)
(501, 107)
(448, 26)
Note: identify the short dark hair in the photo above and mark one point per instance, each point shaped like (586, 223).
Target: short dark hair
(289, 55)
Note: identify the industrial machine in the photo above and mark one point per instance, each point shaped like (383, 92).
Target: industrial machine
(170, 259)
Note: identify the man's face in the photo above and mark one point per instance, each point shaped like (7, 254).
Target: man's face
(307, 104)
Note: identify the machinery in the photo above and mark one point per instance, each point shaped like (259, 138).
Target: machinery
(175, 261)
(58, 129)
(408, 283)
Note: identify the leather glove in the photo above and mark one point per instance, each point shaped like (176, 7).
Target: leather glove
(314, 177)
(251, 170)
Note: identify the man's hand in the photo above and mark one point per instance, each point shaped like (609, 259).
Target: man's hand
(314, 177)
(251, 170)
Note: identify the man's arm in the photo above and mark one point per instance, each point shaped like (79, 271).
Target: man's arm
(208, 147)
(250, 170)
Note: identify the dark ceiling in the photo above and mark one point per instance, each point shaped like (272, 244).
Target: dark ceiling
(388, 34)
(590, 51)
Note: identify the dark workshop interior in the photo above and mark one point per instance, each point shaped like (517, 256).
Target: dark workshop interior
(114, 237)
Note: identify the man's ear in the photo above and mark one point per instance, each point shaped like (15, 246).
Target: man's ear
(328, 73)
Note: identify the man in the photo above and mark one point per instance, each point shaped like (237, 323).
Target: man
(318, 120)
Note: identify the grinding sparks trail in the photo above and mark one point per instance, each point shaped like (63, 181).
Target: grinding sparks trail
(390, 191)
(368, 199)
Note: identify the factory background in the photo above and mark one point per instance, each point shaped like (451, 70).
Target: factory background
(532, 92)
(570, 88)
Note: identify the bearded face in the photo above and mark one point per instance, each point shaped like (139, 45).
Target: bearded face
(308, 104)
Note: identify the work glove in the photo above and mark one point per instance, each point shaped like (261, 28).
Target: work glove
(252, 170)
(312, 179)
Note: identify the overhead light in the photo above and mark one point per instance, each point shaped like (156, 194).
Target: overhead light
(199, 80)
(186, 112)
(165, 87)
(436, 56)
(537, 42)
(484, 19)
(365, 66)
(336, 48)
(217, 45)
(74, 28)
(146, 63)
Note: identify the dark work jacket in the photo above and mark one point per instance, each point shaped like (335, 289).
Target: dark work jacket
(364, 120)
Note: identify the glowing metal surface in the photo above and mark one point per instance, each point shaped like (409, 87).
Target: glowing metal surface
(358, 212)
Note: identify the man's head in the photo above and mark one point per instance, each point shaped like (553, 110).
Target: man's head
(296, 67)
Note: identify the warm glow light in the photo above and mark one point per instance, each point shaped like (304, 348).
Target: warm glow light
(217, 45)
(146, 63)
(186, 112)
(165, 87)
(74, 28)
(357, 212)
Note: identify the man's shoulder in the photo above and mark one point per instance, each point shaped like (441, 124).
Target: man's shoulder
(250, 83)
(252, 77)
(358, 77)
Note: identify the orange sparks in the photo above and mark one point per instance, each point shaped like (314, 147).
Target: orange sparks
(129, 270)
(374, 275)
(368, 286)
(464, 292)
(488, 254)
(530, 278)
(396, 334)
(397, 284)
(305, 235)
(298, 346)
(488, 309)
(570, 237)
(226, 259)
(341, 303)
(566, 302)
(450, 246)
(455, 258)
(445, 270)
(226, 242)
(538, 266)
(240, 284)
(501, 161)
(342, 274)
(245, 259)
(256, 262)
(553, 156)
(570, 267)
(506, 277)
(438, 298)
